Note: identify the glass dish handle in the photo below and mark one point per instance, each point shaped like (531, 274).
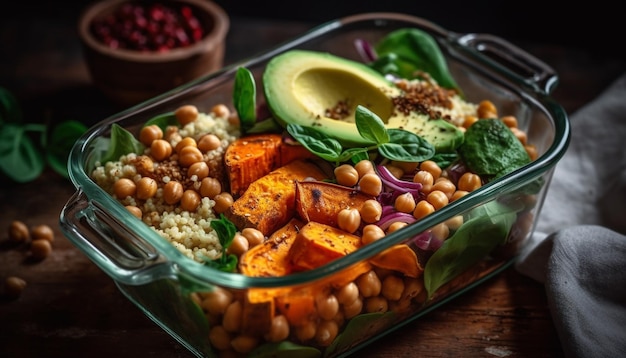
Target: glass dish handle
(524, 66)
(122, 254)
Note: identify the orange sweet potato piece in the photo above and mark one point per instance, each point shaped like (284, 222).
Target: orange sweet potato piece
(249, 158)
(321, 202)
(269, 202)
(298, 306)
(257, 312)
(270, 259)
(399, 258)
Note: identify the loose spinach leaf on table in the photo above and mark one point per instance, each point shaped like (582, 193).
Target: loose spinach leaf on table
(244, 98)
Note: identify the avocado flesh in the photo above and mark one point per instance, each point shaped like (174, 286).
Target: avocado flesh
(300, 86)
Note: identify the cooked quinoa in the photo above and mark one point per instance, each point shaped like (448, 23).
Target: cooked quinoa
(189, 231)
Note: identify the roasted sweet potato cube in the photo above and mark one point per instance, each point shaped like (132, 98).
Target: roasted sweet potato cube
(258, 311)
(399, 258)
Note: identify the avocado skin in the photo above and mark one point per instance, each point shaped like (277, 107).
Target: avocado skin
(300, 85)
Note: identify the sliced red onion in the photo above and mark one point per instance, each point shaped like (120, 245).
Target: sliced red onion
(365, 50)
(395, 216)
(395, 184)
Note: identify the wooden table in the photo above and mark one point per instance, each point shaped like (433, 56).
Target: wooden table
(72, 309)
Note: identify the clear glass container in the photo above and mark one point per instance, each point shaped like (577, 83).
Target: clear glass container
(175, 292)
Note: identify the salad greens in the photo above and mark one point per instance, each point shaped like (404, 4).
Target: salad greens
(226, 231)
(26, 148)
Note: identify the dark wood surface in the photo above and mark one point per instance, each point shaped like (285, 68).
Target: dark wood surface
(72, 309)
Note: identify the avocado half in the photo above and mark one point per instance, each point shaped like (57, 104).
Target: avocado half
(301, 86)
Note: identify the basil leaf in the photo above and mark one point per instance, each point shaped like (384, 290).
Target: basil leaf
(163, 121)
(61, 141)
(487, 227)
(415, 50)
(406, 146)
(226, 231)
(20, 158)
(444, 160)
(122, 142)
(10, 111)
(244, 97)
(354, 155)
(316, 142)
(370, 126)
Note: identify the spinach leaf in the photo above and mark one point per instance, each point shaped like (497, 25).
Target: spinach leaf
(60, 144)
(412, 50)
(284, 349)
(20, 158)
(405, 146)
(317, 142)
(244, 98)
(10, 111)
(122, 142)
(370, 126)
(163, 121)
(226, 231)
(487, 227)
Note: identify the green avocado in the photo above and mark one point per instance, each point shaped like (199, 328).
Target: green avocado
(321, 90)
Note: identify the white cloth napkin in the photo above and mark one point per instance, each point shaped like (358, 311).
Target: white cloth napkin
(579, 248)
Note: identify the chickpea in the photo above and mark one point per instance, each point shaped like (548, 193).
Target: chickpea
(189, 155)
(135, 211)
(244, 343)
(14, 286)
(144, 165)
(239, 245)
(412, 288)
(199, 169)
(520, 134)
(40, 249)
(422, 209)
(407, 167)
(42, 232)
(397, 172)
(469, 120)
(371, 233)
(233, 316)
(486, 109)
(458, 194)
(426, 179)
(186, 114)
(190, 200)
(216, 302)
(219, 337)
(440, 231)
(437, 198)
(369, 284)
(209, 142)
(173, 192)
(254, 236)
(445, 186)
(509, 121)
(346, 175)
(469, 182)
(146, 188)
(326, 333)
(347, 293)
(371, 211)
(306, 331)
(395, 226)
(405, 203)
(160, 149)
(171, 134)
(352, 309)
(185, 142)
(371, 184)
(150, 133)
(18, 232)
(376, 304)
(124, 188)
(454, 222)
(532, 151)
(392, 287)
(279, 330)
(210, 187)
(223, 202)
(349, 220)
(327, 306)
(363, 167)
(431, 167)
(220, 110)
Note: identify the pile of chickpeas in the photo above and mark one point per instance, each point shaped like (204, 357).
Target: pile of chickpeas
(39, 239)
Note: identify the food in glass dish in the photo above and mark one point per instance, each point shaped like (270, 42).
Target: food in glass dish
(340, 155)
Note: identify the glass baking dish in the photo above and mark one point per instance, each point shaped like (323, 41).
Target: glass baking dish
(179, 294)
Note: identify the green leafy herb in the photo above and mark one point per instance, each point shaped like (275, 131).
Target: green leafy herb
(226, 231)
(487, 227)
(393, 144)
(26, 148)
(244, 98)
(163, 120)
(406, 52)
(122, 142)
(284, 349)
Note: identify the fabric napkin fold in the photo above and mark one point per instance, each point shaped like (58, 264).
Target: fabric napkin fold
(579, 247)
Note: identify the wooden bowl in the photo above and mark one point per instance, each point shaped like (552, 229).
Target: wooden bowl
(130, 76)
